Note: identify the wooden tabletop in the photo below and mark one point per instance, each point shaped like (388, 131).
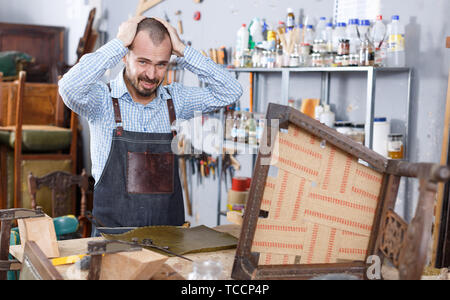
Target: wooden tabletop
(175, 268)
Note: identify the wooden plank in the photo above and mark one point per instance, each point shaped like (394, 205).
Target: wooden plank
(41, 231)
(145, 5)
(40, 263)
(441, 187)
(140, 265)
(66, 248)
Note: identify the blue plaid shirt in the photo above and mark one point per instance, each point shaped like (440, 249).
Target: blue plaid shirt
(83, 92)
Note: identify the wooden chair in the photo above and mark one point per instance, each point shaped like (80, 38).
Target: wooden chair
(33, 127)
(60, 183)
(330, 208)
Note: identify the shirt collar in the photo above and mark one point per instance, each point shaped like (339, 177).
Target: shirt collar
(119, 90)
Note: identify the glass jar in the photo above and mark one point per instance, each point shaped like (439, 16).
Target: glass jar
(328, 59)
(319, 46)
(366, 54)
(338, 61)
(359, 133)
(344, 127)
(353, 60)
(317, 60)
(345, 60)
(396, 149)
(343, 47)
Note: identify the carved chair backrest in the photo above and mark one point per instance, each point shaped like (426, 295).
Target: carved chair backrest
(330, 206)
(60, 184)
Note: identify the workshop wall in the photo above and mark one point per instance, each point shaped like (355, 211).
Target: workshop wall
(426, 22)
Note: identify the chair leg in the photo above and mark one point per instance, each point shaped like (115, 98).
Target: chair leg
(4, 245)
(3, 178)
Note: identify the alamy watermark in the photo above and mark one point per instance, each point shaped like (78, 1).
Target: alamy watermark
(207, 135)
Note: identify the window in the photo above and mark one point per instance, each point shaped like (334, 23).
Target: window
(361, 9)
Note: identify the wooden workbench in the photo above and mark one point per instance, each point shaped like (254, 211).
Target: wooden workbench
(174, 269)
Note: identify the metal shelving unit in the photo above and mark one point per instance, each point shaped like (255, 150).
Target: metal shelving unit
(371, 75)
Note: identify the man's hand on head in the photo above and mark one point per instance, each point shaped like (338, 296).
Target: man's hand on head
(128, 29)
(177, 44)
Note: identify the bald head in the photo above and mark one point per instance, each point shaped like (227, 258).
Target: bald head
(155, 30)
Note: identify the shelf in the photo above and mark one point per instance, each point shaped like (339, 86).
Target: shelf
(318, 69)
(239, 148)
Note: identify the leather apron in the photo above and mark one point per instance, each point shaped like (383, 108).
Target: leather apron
(140, 184)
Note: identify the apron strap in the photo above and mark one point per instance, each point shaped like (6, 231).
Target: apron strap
(118, 116)
(172, 116)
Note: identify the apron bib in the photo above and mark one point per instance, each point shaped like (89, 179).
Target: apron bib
(140, 185)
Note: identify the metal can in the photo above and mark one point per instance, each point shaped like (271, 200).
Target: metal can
(343, 47)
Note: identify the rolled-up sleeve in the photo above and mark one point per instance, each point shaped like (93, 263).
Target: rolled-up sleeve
(82, 89)
(221, 88)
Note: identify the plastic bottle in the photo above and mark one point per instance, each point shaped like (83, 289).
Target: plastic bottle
(309, 35)
(265, 29)
(236, 125)
(229, 122)
(260, 130)
(328, 35)
(252, 131)
(318, 112)
(327, 117)
(242, 39)
(338, 34)
(255, 29)
(364, 29)
(242, 132)
(290, 19)
(352, 35)
(396, 44)
(379, 38)
(320, 29)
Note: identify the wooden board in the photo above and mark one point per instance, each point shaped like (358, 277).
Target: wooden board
(439, 258)
(145, 5)
(41, 231)
(140, 265)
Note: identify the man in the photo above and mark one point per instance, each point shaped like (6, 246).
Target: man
(137, 182)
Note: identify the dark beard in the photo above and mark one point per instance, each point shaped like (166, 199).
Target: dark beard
(135, 85)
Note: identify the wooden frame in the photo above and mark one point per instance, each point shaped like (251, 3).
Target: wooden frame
(40, 265)
(441, 243)
(406, 246)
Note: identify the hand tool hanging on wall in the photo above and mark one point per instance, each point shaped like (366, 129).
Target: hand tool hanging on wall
(182, 162)
(180, 23)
